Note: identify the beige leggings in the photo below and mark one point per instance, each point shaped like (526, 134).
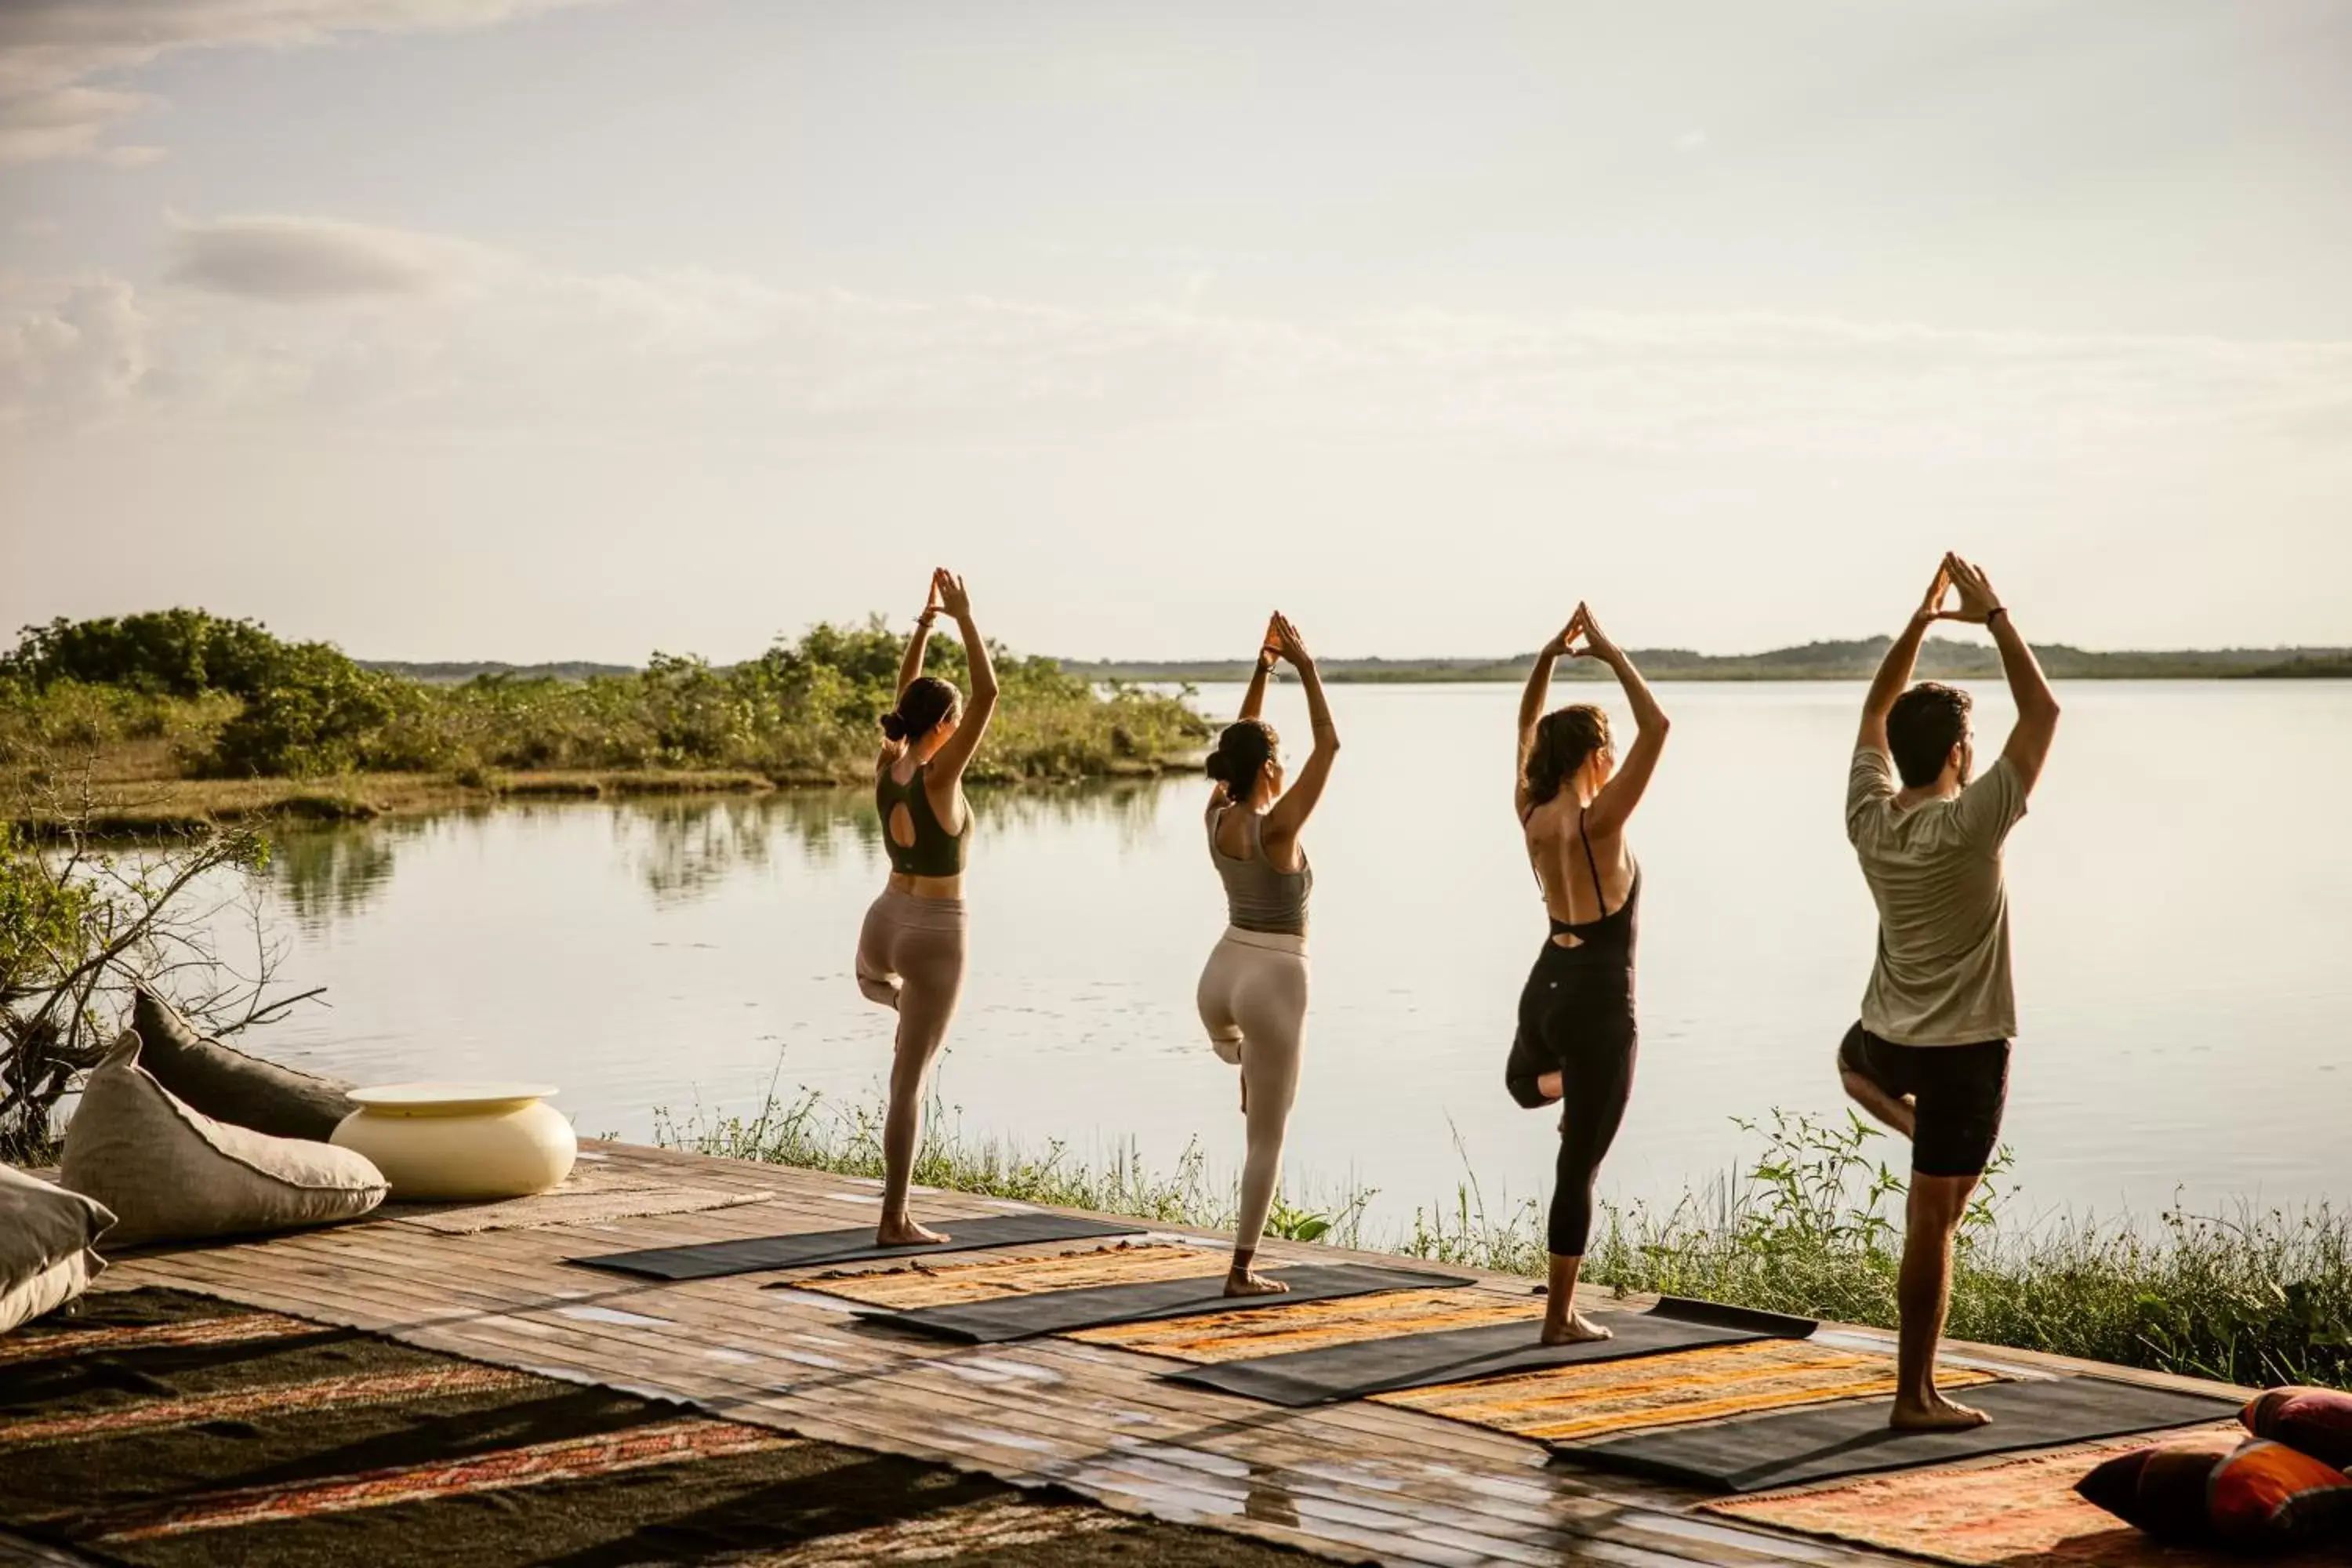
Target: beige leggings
(1252, 998)
(910, 958)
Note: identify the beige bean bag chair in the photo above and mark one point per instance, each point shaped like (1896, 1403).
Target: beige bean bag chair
(230, 1085)
(45, 1245)
(170, 1172)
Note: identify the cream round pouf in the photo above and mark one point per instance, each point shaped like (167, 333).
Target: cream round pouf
(450, 1140)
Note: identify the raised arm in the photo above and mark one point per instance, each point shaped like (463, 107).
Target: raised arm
(1532, 707)
(949, 761)
(920, 644)
(1254, 699)
(1613, 807)
(2037, 706)
(1894, 675)
(1297, 803)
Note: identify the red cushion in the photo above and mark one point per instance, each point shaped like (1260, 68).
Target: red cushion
(2318, 1420)
(2261, 1496)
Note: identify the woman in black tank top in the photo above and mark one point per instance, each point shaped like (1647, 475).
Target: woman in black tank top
(911, 949)
(1577, 1038)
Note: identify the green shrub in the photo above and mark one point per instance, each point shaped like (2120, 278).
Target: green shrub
(236, 702)
(159, 653)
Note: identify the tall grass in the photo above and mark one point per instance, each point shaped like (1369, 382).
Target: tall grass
(1811, 1225)
(846, 1140)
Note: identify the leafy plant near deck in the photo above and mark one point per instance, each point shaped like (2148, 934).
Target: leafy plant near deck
(81, 924)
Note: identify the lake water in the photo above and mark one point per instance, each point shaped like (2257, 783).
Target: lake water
(2182, 894)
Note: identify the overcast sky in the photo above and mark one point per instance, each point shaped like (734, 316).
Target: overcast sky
(522, 329)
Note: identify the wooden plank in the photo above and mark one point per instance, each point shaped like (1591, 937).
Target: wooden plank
(627, 1349)
(17, 1552)
(534, 1345)
(1356, 1481)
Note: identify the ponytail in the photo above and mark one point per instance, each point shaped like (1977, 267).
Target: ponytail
(1565, 738)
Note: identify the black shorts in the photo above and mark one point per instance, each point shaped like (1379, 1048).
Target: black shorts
(1959, 1091)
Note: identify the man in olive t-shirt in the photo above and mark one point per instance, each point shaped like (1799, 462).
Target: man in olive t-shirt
(1929, 1056)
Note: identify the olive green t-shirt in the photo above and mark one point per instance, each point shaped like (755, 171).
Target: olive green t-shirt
(1941, 978)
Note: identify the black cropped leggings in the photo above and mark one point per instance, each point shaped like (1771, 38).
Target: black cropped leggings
(1576, 1019)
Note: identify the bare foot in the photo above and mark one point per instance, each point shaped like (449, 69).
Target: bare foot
(882, 988)
(1938, 1415)
(907, 1233)
(1578, 1330)
(1247, 1282)
(1898, 1113)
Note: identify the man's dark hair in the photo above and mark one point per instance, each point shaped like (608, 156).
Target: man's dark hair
(1923, 727)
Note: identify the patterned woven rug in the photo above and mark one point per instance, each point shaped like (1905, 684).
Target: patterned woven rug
(925, 1284)
(158, 1428)
(2005, 1513)
(1580, 1401)
(1316, 1325)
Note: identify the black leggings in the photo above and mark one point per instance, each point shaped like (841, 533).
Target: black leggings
(1576, 1019)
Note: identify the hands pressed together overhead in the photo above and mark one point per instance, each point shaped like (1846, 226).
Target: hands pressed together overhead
(1282, 643)
(1968, 580)
(1596, 644)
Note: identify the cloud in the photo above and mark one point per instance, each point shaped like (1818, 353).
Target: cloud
(298, 260)
(290, 321)
(55, 55)
(81, 352)
(63, 121)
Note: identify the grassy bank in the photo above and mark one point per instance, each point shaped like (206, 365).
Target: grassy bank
(1811, 1226)
(181, 717)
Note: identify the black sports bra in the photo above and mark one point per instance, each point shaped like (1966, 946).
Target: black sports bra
(935, 852)
(1614, 933)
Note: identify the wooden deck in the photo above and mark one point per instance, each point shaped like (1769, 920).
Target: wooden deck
(1356, 1482)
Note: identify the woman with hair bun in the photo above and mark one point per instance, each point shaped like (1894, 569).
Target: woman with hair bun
(1576, 1036)
(910, 951)
(1252, 994)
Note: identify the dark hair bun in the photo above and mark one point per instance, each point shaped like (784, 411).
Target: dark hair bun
(925, 704)
(1240, 755)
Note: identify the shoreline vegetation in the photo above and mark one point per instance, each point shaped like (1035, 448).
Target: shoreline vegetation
(180, 720)
(177, 720)
(1940, 660)
(1810, 1226)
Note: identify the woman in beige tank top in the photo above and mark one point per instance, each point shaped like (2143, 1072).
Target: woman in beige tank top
(1253, 992)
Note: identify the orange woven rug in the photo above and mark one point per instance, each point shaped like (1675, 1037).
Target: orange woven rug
(956, 1284)
(1593, 1397)
(2017, 1512)
(1313, 1325)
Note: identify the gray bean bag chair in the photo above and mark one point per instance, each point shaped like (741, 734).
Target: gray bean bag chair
(170, 1172)
(227, 1084)
(46, 1234)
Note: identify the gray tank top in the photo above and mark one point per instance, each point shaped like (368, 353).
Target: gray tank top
(1260, 896)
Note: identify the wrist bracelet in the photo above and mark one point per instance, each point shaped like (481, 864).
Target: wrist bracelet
(1996, 610)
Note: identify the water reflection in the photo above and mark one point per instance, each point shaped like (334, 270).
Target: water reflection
(703, 932)
(684, 849)
(321, 874)
(681, 849)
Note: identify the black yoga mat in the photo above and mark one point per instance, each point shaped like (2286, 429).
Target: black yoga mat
(1300, 1378)
(1097, 1306)
(710, 1260)
(1851, 1438)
